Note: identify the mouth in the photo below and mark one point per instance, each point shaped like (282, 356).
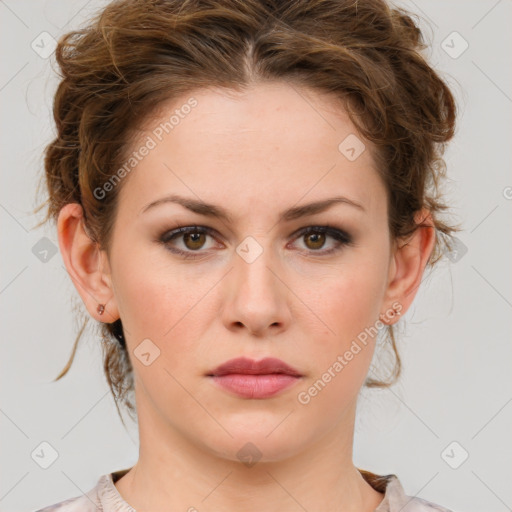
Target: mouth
(251, 379)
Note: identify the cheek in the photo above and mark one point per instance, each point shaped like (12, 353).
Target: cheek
(156, 300)
(160, 305)
(347, 305)
(346, 301)
(349, 310)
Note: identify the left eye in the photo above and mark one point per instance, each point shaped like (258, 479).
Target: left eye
(315, 237)
(194, 239)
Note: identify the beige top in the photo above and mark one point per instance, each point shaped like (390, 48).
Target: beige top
(105, 497)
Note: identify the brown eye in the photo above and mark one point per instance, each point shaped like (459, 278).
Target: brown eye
(194, 240)
(314, 240)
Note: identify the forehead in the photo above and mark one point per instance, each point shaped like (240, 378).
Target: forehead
(273, 143)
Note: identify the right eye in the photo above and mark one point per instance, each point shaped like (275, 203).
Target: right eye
(192, 237)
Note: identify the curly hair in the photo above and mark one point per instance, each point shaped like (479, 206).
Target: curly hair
(134, 55)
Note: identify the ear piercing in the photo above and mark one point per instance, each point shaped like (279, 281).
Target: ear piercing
(395, 311)
(101, 310)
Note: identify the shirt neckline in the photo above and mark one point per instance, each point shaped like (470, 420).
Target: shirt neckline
(388, 484)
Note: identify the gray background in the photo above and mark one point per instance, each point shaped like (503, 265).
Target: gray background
(456, 348)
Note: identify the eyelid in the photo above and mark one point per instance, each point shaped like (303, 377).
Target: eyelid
(324, 228)
(341, 236)
(173, 234)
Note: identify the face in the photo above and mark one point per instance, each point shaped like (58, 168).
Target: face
(257, 282)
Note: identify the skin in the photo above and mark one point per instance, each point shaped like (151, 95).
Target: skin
(256, 154)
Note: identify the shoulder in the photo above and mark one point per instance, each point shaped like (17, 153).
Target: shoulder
(103, 497)
(420, 505)
(76, 504)
(395, 498)
(89, 502)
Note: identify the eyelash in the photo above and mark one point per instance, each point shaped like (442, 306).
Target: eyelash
(342, 238)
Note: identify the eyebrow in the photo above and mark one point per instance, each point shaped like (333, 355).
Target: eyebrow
(210, 210)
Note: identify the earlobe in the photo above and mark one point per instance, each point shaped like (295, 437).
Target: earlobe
(84, 264)
(409, 261)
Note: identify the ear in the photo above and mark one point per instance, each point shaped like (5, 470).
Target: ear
(409, 261)
(86, 264)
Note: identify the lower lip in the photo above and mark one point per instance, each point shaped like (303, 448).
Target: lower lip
(255, 386)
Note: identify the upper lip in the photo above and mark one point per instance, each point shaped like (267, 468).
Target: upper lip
(247, 366)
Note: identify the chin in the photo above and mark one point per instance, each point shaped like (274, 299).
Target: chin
(258, 442)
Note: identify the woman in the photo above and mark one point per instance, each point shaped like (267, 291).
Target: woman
(246, 199)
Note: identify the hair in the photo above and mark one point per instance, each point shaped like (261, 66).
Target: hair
(134, 55)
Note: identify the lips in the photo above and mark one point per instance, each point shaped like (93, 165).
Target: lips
(245, 366)
(246, 378)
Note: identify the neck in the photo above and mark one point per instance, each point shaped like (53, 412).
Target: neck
(175, 473)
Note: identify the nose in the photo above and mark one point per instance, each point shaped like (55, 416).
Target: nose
(257, 298)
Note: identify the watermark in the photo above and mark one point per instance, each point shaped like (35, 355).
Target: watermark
(249, 249)
(454, 455)
(146, 352)
(458, 250)
(304, 397)
(351, 147)
(150, 143)
(44, 455)
(249, 454)
(44, 44)
(44, 249)
(454, 45)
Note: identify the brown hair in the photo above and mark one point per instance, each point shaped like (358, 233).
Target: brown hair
(136, 54)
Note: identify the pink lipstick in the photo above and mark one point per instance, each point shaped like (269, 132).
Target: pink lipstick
(255, 379)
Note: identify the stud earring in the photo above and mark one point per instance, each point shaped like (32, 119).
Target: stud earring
(396, 312)
(100, 309)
